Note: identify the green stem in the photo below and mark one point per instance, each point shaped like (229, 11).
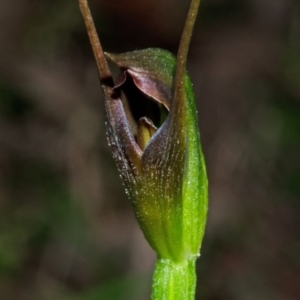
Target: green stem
(174, 280)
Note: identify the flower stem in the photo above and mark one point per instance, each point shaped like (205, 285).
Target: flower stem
(174, 280)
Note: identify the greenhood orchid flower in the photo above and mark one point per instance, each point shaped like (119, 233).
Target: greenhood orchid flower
(162, 167)
(153, 134)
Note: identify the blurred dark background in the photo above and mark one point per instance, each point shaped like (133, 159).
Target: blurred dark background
(67, 230)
